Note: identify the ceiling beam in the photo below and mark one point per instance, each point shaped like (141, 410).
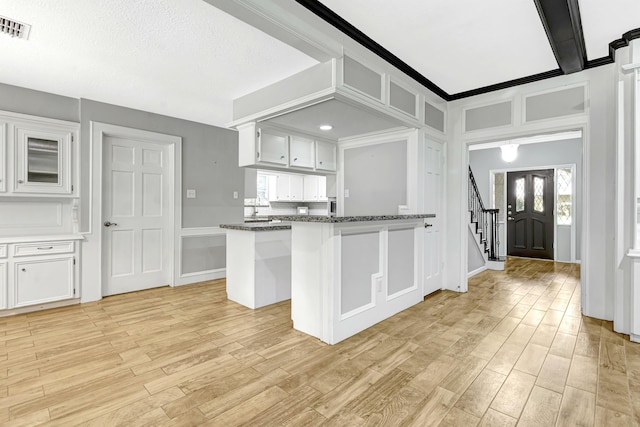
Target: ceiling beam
(562, 23)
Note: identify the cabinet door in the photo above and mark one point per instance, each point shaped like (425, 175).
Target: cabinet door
(272, 183)
(3, 285)
(296, 187)
(311, 187)
(43, 279)
(3, 157)
(301, 152)
(325, 156)
(282, 188)
(43, 161)
(322, 189)
(272, 147)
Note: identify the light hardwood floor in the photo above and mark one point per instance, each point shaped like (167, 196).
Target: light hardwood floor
(513, 349)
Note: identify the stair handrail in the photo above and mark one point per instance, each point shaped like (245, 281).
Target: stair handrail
(486, 219)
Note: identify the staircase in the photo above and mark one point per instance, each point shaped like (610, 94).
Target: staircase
(483, 223)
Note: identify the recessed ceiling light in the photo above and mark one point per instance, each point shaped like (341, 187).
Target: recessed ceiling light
(326, 127)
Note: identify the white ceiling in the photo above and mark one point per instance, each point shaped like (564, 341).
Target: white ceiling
(468, 44)
(183, 58)
(346, 120)
(604, 21)
(188, 59)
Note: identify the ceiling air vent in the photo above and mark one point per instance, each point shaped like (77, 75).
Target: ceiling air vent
(14, 28)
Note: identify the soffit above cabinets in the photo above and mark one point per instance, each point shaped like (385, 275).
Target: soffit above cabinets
(347, 120)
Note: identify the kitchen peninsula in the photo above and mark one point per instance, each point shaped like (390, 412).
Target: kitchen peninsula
(258, 263)
(346, 273)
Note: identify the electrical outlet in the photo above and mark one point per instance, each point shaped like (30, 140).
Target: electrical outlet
(191, 194)
(235, 194)
(346, 192)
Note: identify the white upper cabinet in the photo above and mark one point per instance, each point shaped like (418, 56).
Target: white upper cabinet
(287, 188)
(43, 160)
(37, 156)
(302, 152)
(315, 188)
(279, 149)
(296, 187)
(272, 147)
(326, 156)
(311, 187)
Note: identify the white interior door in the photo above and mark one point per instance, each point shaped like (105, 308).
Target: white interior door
(433, 193)
(137, 215)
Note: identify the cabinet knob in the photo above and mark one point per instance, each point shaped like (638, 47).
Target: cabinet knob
(20, 181)
(24, 269)
(282, 157)
(109, 223)
(320, 162)
(295, 159)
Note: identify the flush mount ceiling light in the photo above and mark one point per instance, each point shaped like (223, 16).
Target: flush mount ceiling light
(14, 28)
(509, 152)
(326, 127)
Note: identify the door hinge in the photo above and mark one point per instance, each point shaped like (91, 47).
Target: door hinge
(74, 291)
(258, 134)
(74, 260)
(72, 187)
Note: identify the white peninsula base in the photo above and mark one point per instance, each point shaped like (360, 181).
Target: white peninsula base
(348, 274)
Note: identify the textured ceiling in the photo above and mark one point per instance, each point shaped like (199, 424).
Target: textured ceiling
(188, 59)
(466, 44)
(183, 58)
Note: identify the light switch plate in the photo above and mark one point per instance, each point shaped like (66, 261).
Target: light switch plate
(191, 194)
(346, 192)
(235, 194)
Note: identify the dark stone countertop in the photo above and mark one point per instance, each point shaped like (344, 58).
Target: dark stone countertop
(339, 219)
(258, 226)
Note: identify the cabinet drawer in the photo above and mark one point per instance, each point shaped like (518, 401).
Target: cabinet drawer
(3, 251)
(42, 248)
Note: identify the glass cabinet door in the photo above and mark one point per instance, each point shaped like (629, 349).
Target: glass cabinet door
(43, 161)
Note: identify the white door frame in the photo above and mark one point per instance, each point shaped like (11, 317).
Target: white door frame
(174, 143)
(583, 126)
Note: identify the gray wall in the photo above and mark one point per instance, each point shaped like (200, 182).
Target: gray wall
(209, 153)
(376, 177)
(532, 155)
(209, 161)
(26, 101)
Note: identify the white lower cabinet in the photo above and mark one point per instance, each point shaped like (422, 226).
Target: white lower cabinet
(43, 279)
(37, 272)
(3, 285)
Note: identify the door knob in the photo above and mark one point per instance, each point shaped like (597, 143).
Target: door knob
(510, 218)
(109, 224)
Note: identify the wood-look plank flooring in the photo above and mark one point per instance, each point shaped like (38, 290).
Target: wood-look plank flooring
(513, 350)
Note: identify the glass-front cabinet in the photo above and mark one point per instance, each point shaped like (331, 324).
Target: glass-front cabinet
(42, 161)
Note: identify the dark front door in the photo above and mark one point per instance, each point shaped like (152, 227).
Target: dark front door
(530, 213)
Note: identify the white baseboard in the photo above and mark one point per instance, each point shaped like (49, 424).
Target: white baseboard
(634, 337)
(476, 271)
(38, 307)
(495, 265)
(188, 279)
